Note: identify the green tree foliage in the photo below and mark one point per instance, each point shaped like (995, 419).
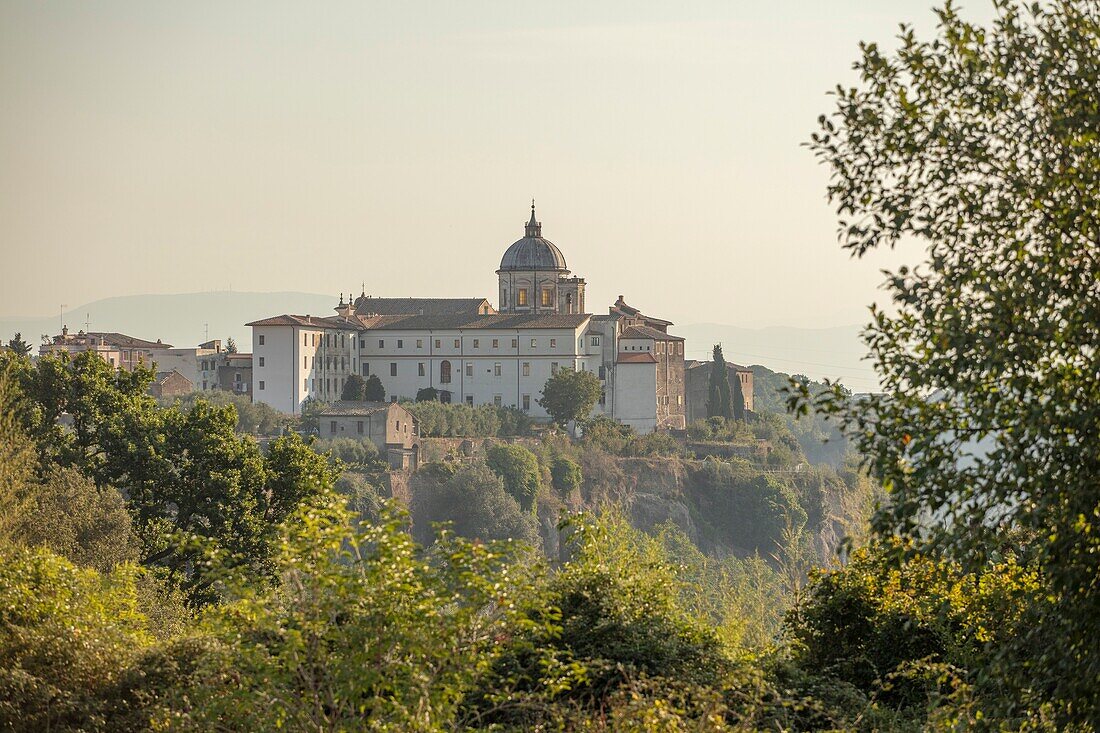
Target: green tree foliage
(607, 618)
(67, 636)
(355, 389)
(231, 345)
(427, 394)
(18, 346)
(364, 631)
(565, 475)
(519, 469)
(310, 418)
(252, 417)
(473, 499)
(192, 485)
(570, 395)
(719, 397)
(981, 145)
(737, 398)
(437, 420)
(373, 390)
(74, 518)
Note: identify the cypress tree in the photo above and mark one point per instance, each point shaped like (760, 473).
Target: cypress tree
(719, 399)
(738, 398)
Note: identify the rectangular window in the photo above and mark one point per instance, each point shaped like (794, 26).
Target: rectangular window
(553, 343)
(595, 340)
(496, 369)
(261, 361)
(393, 398)
(521, 296)
(305, 339)
(496, 400)
(477, 343)
(305, 385)
(381, 343)
(362, 343)
(393, 368)
(470, 400)
(526, 402)
(365, 368)
(332, 426)
(328, 385)
(496, 343)
(515, 343)
(534, 343)
(458, 343)
(305, 362)
(603, 372)
(203, 381)
(547, 297)
(553, 367)
(400, 343)
(359, 427)
(526, 368)
(680, 348)
(437, 343)
(469, 369)
(420, 343)
(420, 369)
(603, 397)
(261, 339)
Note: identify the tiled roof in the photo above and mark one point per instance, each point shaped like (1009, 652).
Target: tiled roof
(126, 342)
(635, 357)
(368, 305)
(354, 408)
(503, 321)
(645, 332)
(289, 320)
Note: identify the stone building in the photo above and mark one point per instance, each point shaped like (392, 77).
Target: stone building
(473, 353)
(170, 384)
(392, 429)
(698, 385)
(234, 373)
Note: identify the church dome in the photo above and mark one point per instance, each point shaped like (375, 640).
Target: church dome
(533, 252)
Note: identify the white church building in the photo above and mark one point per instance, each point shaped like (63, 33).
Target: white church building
(472, 353)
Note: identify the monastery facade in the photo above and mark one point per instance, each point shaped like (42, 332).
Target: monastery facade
(473, 353)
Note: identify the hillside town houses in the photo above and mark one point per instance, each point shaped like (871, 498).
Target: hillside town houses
(465, 349)
(473, 353)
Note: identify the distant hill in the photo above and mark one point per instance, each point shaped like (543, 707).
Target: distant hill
(180, 319)
(835, 353)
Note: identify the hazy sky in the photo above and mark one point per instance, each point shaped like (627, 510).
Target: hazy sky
(188, 146)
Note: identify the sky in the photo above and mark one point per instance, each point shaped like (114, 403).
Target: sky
(163, 147)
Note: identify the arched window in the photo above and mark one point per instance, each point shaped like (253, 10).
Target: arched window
(568, 302)
(445, 372)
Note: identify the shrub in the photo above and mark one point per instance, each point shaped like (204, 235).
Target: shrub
(519, 469)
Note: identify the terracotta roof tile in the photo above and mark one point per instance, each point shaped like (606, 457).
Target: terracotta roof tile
(635, 357)
(645, 332)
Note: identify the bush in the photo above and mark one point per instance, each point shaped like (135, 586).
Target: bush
(565, 475)
(252, 417)
(519, 469)
(360, 453)
(474, 500)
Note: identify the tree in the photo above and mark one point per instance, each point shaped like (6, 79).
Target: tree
(374, 391)
(519, 469)
(981, 145)
(565, 475)
(427, 394)
(355, 389)
(570, 395)
(18, 346)
(738, 398)
(719, 400)
(230, 345)
(310, 419)
(476, 504)
(194, 488)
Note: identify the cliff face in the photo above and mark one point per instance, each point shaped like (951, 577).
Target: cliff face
(724, 507)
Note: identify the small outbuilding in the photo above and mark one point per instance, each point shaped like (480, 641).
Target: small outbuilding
(170, 384)
(388, 425)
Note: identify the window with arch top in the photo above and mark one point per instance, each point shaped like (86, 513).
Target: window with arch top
(445, 372)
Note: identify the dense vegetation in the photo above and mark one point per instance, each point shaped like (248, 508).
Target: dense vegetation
(160, 570)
